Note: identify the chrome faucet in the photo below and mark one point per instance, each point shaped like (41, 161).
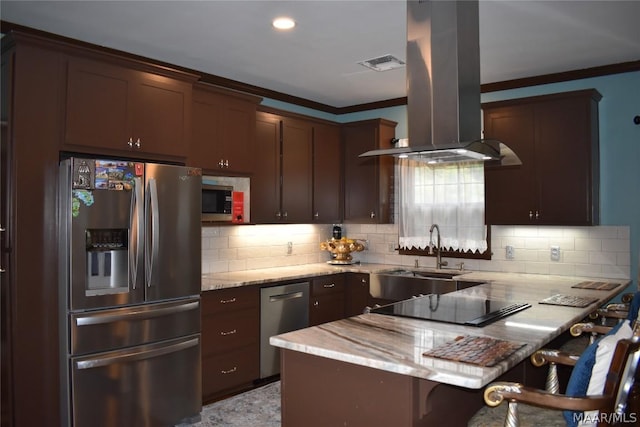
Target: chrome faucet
(439, 262)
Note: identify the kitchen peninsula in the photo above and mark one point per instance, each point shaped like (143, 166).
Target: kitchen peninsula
(371, 370)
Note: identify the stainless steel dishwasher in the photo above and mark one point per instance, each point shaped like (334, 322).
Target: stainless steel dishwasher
(283, 308)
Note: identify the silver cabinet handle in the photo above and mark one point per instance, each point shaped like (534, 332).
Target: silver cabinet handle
(316, 303)
(137, 144)
(230, 371)
(2, 270)
(329, 285)
(227, 301)
(278, 215)
(232, 332)
(130, 142)
(530, 214)
(537, 215)
(285, 214)
(372, 214)
(2, 229)
(316, 215)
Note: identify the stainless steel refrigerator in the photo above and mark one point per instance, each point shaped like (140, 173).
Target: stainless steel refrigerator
(129, 293)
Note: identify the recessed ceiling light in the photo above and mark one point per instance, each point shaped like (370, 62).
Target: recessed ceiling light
(284, 23)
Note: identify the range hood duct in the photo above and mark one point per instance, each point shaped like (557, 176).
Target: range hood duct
(443, 87)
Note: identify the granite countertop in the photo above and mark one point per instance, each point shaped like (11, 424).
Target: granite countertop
(397, 344)
(262, 276)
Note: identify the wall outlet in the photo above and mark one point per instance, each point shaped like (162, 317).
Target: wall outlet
(509, 252)
(555, 253)
(289, 248)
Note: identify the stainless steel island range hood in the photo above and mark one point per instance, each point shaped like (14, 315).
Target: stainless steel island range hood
(443, 87)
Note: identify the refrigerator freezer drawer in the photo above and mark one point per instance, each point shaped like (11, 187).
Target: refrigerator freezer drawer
(151, 385)
(103, 330)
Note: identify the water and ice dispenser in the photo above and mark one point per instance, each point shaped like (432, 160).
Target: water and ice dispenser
(107, 260)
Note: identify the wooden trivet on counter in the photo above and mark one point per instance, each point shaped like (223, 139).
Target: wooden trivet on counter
(600, 286)
(569, 300)
(482, 351)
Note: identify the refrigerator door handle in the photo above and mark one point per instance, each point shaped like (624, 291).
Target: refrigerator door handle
(152, 241)
(136, 221)
(132, 315)
(134, 355)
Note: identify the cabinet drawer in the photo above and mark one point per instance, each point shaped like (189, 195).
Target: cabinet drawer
(224, 332)
(327, 285)
(229, 370)
(226, 300)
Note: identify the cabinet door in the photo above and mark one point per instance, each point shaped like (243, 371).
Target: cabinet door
(206, 134)
(223, 137)
(556, 137)
(133, 112)
(357, 293)
(98, 105)
(327, 175)
(238, 135)
(326, 308)
(265, 185)
(327, 301)
(297, 169)
(367, 180)
(563, 160)
(162, 115)
(511, 193)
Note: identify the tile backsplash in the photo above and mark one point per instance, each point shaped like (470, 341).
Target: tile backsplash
(601, 251)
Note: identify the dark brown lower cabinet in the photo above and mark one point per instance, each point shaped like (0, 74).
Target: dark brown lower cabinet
(357, 293)
(327, 300)
(231, 327)
(230, 340)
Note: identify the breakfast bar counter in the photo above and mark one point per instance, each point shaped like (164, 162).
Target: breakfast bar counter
(372, 369)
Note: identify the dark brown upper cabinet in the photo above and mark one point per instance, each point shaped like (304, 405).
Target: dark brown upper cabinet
(114, 109)
(281, 187)
(556, 137)
(327, 174)
(368, 181)
(224, 130)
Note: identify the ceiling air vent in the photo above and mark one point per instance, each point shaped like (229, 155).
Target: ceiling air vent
(382, 63)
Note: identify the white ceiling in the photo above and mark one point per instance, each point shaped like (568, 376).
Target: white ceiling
(318, 59)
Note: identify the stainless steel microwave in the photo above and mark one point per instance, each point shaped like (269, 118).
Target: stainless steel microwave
(217, 201)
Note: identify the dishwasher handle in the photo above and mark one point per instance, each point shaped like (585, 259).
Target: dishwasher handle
(285, 297)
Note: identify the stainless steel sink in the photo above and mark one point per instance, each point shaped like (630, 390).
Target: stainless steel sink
(401, 284)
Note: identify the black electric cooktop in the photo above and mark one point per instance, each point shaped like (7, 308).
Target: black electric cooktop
(450, 308)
